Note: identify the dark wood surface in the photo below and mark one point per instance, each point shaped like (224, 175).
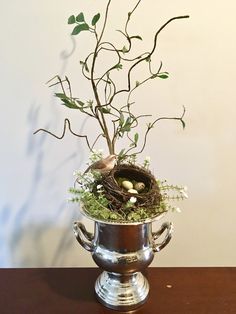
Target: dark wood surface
(71, 290)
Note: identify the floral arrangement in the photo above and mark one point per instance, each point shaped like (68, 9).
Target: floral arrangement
(90, 191)
(116, 187)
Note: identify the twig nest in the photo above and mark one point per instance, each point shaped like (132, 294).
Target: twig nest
(148, 195)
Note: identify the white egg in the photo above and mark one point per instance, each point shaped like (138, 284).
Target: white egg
(127, 184)
(133, 191)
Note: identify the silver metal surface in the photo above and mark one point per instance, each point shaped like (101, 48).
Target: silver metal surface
(121, 292)
(79, 230)
(166, 226)
(122, 251)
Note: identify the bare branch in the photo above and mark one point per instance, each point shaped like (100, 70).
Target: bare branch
(149, 55)
(97, 138)
(102, 120)
(151, 125)
(69, 86)
(105, 21)
(66, 122)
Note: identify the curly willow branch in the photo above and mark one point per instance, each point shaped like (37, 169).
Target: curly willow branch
(66, 122)
(151, 125)
(148, 56)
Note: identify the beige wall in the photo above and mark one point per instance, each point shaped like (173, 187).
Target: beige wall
(199, 53)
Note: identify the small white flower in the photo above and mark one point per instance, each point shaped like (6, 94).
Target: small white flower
(76, 173)
(184, 194)
(177, 209)
(99, 186)
(96, 155)
(89, 177)
(133, 199)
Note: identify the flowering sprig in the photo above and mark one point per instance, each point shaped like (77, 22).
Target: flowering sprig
(95, 155)
(166, 189)
(131, 202)
(85, 181)
(146, 162)
(170, 192)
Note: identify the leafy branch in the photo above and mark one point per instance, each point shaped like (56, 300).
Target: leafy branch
(114, 121)
(151, 125)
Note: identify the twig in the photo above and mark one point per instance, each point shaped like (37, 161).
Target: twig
(66, 122)
(151, 125)
(149, 55)
(101, 121)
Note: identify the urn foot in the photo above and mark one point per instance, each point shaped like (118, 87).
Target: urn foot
(122, 292)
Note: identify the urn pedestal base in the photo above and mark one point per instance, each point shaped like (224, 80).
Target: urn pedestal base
(121, 292)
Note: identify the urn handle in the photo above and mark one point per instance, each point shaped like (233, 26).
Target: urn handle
(80, 231)
(166, 226)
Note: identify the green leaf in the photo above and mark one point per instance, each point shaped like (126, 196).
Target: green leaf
(136, 37)
(61, 95)
(122, 119)
(136, 138)
(105, 110)
(121, 153)
(70, 104)
(80, 17)
(163, 76)
(90, 103)
(118, 66)
(125, 50)
(85, 65)
(71, 19)
(183, 124)
(150, 126)
(126, 128)
(67, 101)
(95, 19)
(79, 28)
(80, 103)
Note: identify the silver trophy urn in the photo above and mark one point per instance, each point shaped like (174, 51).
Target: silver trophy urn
(122, 250)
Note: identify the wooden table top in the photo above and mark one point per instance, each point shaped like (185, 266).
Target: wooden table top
(71, 290)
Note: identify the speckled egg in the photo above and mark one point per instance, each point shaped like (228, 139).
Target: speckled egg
(139, 186)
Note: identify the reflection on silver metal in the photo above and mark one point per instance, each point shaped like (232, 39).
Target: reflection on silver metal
(125, 294)
(122, 251)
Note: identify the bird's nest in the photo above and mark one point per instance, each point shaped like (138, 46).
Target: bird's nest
(150, 197)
